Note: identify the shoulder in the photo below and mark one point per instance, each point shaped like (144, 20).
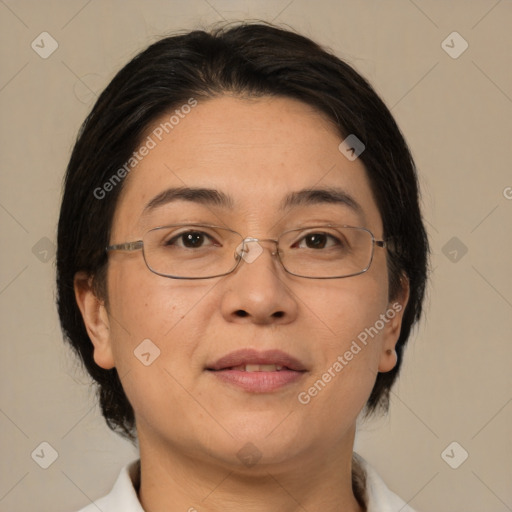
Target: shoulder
(123, 495)
(379, 497)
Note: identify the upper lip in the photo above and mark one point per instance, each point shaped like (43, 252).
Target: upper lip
(251, 356)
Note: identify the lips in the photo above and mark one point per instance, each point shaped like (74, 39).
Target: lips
(259, 368)
(257, 372)
(252, 360)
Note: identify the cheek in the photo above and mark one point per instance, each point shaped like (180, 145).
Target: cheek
(156, 325)
(344, 308)
(145, 303)
(349, 331)
(341, 383)
(146, 306)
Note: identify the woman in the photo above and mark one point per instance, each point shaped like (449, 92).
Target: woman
(241, 258)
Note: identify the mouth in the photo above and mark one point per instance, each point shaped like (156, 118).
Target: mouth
(258, 368)
(258, 372)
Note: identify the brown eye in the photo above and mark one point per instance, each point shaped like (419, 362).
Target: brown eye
(193, 239)
(317, 241)
(190, 240)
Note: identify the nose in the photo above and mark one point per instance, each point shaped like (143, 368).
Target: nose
(257, 291)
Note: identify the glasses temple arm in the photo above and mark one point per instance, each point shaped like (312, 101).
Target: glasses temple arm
(128, 246)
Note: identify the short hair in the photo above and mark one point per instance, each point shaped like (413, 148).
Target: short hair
(246, 60)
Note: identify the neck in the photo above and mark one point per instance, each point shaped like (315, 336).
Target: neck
(173, 480)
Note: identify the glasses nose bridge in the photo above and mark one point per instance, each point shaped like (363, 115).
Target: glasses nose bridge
(249, 239)
(251, 248)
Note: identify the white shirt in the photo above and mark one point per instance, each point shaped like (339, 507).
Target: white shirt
(123, 496)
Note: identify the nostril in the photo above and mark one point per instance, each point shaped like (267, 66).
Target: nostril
(278, 314)
(241, 313)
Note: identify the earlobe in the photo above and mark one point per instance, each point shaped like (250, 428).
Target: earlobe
(388, 360)
(394, 314)
(95, 318)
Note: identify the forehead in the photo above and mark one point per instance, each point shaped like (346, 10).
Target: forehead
(256, 152)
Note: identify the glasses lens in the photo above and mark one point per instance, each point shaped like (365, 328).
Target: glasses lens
(203, 251)
(191, 251)
(326, 251)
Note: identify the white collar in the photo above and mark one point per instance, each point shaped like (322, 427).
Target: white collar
(123, 495)
(380, 498)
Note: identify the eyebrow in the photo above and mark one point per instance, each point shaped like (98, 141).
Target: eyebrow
(213, 197)
(331, 195)
(207, 196)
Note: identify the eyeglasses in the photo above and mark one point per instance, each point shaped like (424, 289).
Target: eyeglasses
(195, 251)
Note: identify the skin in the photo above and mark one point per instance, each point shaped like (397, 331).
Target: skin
(191, 425)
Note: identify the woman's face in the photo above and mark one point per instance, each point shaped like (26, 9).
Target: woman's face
(255, 154)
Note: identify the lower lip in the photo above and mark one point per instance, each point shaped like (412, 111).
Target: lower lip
(258, 382)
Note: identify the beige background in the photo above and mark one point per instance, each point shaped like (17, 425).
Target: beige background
(456, 115)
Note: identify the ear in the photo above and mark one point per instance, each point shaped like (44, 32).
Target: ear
(393, 324)
(95, 318)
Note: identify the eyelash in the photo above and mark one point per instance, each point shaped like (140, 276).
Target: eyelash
(181, 236)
